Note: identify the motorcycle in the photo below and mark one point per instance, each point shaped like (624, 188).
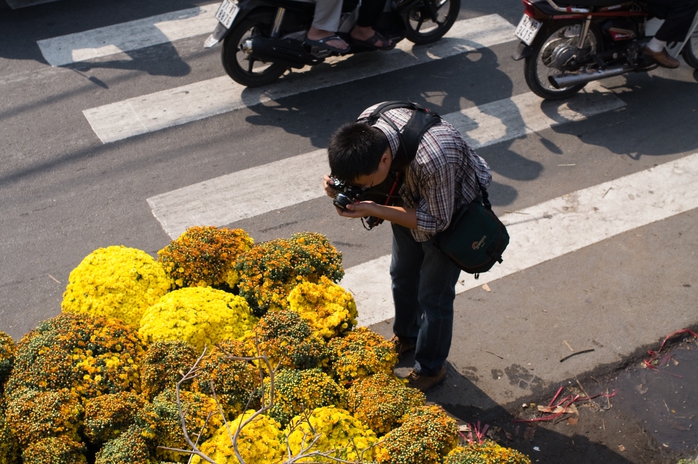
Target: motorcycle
(565, 46)
(262, 39)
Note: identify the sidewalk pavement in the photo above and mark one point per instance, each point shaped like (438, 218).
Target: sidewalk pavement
(589, 312)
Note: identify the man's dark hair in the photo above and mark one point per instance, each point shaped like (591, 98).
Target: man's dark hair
(355, 150)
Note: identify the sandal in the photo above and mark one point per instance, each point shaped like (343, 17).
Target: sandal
(322, 43)
(371, 42)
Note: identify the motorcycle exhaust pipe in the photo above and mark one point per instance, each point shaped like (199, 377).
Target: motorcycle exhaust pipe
(286, 51)
(562, 81)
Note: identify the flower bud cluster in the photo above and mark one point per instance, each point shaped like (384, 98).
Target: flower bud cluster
(233, 328)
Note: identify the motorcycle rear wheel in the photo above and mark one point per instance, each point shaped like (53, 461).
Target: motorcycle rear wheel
(423, 27)
(690, 50)
(243, 68)
(539, 65)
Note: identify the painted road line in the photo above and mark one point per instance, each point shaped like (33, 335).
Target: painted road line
(523, 114)
(564, 224)
(210, 204)
(200, 100)
(232, 197)
(132, 35)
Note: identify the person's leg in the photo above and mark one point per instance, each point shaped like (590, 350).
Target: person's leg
(404, 273)
(678, 18)
(326, 22)
(327, 14)
(363, 29)
(369, 12)
(437, 291)
(371, 37)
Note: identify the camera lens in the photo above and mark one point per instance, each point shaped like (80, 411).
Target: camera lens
(341, 201)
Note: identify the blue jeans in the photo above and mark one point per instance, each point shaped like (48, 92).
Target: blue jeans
(424, 287)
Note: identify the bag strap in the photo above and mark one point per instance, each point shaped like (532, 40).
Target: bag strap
(485, 196)
(411, 133)
(387, 106)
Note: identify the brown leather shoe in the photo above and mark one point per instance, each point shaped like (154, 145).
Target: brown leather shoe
(401, 346)
(662, 58)
(424, 382)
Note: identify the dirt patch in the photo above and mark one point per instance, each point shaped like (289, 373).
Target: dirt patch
(638, 415)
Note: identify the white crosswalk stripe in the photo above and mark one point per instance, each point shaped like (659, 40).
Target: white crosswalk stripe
(562, 225)
(210, 202)
(554, 228)
(125, 37)
(181, 105)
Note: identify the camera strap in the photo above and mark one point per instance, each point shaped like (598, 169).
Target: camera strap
(391, 199)
(409, 138)
(411, 133)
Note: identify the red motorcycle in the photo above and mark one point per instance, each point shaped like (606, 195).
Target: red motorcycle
(566, 45)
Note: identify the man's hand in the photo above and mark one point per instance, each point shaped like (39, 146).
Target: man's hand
(328, 185)
(358, 210)
(406, 217)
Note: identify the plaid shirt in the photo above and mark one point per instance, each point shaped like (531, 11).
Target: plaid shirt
(442, 177)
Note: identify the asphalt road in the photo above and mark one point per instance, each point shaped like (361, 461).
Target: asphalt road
(64, 193)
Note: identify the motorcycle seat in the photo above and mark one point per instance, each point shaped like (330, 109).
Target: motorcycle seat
(588, 3)
(546, 8)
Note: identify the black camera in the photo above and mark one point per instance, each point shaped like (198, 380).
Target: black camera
(346, 194)
(386, 193)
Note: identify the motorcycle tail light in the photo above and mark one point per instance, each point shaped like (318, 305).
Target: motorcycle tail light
(528, 8)
(533, 12)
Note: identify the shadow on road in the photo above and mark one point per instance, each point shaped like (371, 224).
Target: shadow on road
(645, 95)
(486, 84)
(468, 404)
(21, 29)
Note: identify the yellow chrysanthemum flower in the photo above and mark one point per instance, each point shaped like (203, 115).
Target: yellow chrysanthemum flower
(426, 435)
(359, 354)
(259, 441)
(485, 453)
(201, 316)
(116, 282)
(329, 309)
(205, 256)
(270, 270)
(333, 432)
